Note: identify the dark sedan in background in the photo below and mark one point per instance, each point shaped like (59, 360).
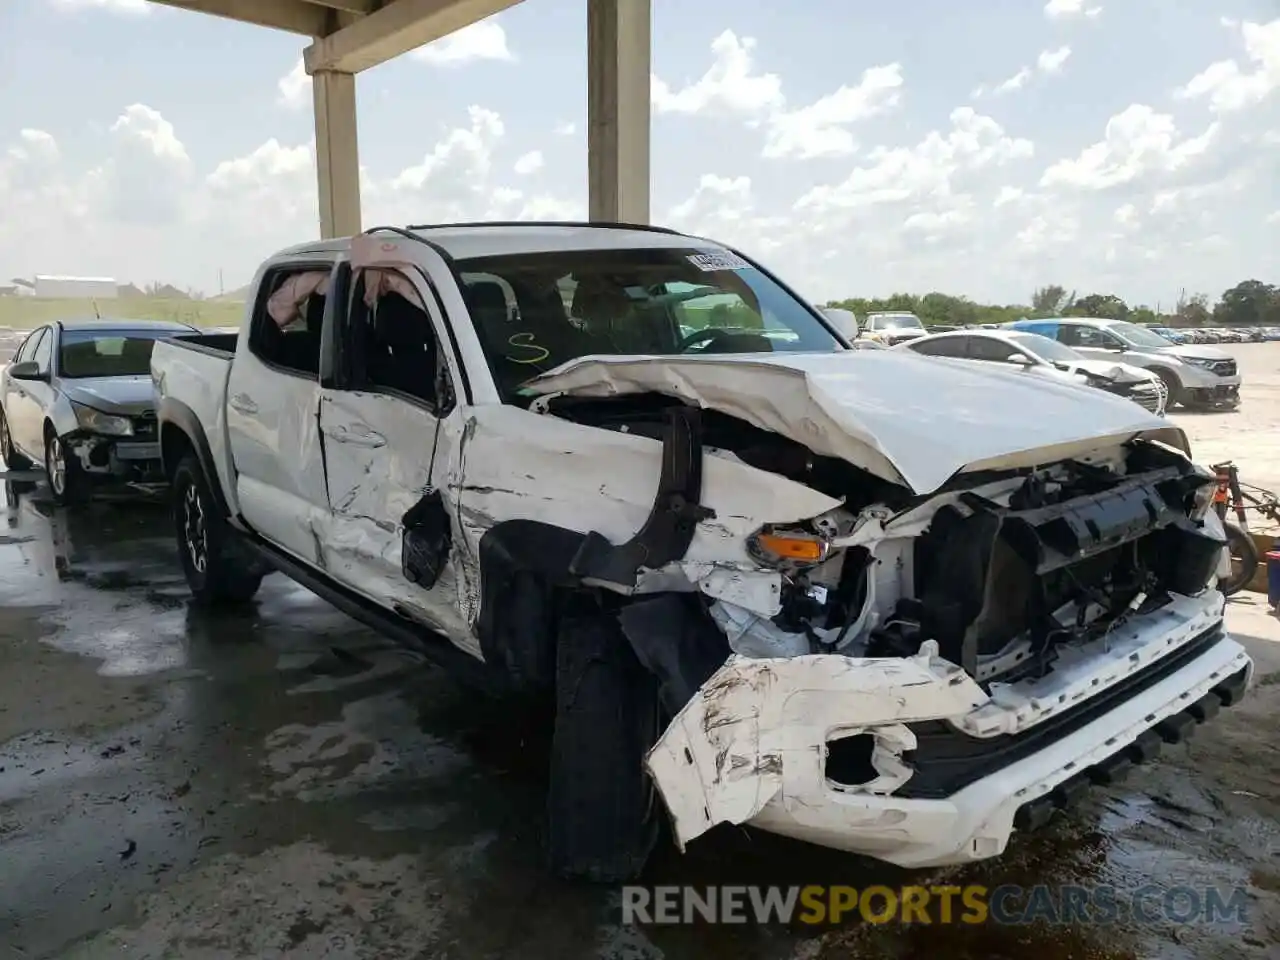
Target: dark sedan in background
(77, 399)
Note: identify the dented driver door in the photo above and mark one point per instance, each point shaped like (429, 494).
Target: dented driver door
(386, 432)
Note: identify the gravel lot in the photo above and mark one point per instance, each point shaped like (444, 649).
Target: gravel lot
(175, 784)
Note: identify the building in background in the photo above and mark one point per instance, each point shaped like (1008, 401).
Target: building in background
(103, 288)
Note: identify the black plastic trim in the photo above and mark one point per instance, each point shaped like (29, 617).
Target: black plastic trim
(1112, 770)
(946, 760)
(405, 633)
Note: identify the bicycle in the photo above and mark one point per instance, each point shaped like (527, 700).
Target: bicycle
(1239, 498)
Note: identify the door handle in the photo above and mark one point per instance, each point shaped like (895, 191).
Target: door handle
(357, 435)
(243, 403)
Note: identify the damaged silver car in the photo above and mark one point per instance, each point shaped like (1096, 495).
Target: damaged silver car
(857, 597)
(77, 400)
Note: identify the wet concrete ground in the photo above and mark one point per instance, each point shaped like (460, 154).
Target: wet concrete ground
(279, 783)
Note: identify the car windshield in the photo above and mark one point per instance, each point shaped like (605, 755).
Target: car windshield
(1045, 347)
(108, 353)
(896, 321)
(1137, 336)
(534, 312)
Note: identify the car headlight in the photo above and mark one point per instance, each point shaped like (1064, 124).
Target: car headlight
(105, 423)
(1199, 362)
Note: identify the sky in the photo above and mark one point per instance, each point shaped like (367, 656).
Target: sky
(858, 148)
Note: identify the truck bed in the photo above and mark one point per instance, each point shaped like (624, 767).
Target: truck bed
(216, 344)
(191, 372)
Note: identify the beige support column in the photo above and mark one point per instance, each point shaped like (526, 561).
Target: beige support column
(618, 66)
(337, 157)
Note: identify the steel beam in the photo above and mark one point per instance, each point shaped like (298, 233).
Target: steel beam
(619, 54)
(398, 27)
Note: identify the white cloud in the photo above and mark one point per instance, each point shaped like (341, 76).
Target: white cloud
(131, 7)
(1048, 62)
(1065, 9)
(530, 162)
(1229, 85)
(1274, 217)
(1137, 142)
(730, 87)
(119, 218)
(566, 129)
(821, 128)
(1008, 195)
(1015, 82)
(925, 171)
(1051, 61)
(295, 87)
(486, 40)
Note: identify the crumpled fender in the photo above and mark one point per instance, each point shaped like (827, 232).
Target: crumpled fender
(757, 729)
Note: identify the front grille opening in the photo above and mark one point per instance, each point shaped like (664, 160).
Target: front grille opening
(849, 760)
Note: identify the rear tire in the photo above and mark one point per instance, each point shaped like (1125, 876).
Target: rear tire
(603, 808)
(217, 570)
(13, 460)
(1244, 559)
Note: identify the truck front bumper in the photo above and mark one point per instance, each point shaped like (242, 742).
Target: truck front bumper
(947, 771)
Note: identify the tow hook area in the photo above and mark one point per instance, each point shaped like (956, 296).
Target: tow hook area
(759, 729)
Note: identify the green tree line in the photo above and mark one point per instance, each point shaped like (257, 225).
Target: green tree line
(1249, 303)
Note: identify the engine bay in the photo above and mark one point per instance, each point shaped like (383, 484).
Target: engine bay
(1000, 569)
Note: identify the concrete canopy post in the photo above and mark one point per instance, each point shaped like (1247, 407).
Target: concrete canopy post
(337, 154)
(619, 53)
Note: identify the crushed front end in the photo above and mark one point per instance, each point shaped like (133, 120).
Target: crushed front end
(115, 446)
(937, 672)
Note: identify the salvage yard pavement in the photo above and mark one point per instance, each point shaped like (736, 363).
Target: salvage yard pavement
(279, 783)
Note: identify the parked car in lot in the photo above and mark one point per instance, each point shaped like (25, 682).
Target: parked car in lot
(1033, 355)
(1197, 376)
(1170, 334)
(892, 328)
(858, 597)
(77, 399)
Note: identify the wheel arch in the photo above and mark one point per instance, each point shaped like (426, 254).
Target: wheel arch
(181, 433)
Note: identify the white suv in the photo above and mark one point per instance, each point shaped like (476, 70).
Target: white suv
(1198, 376)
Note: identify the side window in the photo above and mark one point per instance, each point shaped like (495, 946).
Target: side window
(1079, 335)
(394, 344)
(986, 348)
(28, 346)
(288, 320)
(942, 347)
(1072, 335)
(43, 353)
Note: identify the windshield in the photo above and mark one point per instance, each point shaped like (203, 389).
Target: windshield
(108, 353)
(1045, 347)
(534, 312)
(896, 321)
(1136, 335)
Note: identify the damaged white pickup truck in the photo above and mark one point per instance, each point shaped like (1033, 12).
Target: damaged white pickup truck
(855, 597)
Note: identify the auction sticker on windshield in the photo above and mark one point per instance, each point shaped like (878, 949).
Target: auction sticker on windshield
(713, 262)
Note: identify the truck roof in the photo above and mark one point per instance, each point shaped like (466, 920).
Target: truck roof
(488, 239)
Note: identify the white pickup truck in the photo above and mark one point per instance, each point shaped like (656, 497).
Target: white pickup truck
(855, 597)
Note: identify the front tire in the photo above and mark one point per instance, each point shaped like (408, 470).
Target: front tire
(603, 808)
(68, 482)
(216, 571)
(1173, 384)
(13, 460)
